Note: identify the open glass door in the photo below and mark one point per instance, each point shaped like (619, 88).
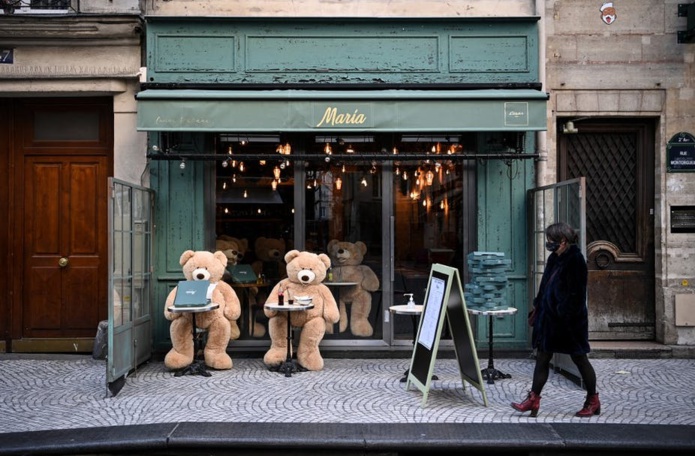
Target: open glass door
(561, 202)
(130, 281)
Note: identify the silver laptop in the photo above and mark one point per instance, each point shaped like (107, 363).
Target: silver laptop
(192, 293)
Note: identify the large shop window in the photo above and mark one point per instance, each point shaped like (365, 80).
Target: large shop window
(411, 209)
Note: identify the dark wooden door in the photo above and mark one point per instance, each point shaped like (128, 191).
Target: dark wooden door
(617, 159)
(63, 161)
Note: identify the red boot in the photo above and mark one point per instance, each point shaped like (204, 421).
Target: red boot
(592, 406)
(532, 402)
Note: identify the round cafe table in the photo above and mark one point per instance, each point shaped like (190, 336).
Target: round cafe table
(289, 365)
(414, 311)
(197, 367)
(490, 373)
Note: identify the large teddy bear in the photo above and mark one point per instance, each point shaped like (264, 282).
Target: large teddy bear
(346, 258)
(234, 249)
(305, 272)
(270, 253)
(220, 323)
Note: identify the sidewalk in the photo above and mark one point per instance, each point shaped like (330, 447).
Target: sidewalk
(48, 401)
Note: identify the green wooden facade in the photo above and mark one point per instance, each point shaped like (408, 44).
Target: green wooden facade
(263, 54)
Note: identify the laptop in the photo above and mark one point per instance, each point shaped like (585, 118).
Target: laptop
(242, 273)
(192, 293)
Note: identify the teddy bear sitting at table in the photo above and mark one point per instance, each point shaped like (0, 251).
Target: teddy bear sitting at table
(305, 272)
(346, 258)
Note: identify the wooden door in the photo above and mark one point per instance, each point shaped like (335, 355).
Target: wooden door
(617, 159)
(61, 212)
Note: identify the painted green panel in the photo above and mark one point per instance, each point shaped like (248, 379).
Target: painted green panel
(502, 228)
(342, 51)
(350, 54)
(179, 226)
(183, 54)
(490, 54)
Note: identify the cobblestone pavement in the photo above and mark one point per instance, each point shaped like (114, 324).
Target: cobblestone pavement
(71, 393)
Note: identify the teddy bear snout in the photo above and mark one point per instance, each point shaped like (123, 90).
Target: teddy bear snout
(201, 274)
(306, 276)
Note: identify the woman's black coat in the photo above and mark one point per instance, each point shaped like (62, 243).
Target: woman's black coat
(561, 324)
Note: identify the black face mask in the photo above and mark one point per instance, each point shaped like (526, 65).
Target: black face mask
(552, 246)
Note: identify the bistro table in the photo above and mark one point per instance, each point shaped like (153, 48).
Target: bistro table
(248, 313)
(337, 285)
(197, 367)
(490, 373)
(290, 365)
(414, 311)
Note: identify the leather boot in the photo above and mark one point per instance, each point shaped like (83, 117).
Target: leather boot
(532, 402)
(592, 406)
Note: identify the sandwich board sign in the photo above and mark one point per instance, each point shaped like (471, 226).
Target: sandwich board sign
(444, 297)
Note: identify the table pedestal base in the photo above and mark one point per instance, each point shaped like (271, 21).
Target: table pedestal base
(491, 374)
(288, 367)
(197, 367)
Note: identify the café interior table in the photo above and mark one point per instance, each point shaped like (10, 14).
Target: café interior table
(197, 367)
(414, 311)
(289, 365)
(337, 285)
(490, 373)
(247, 313)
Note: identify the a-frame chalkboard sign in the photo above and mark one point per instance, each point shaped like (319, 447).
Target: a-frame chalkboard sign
(444, 297)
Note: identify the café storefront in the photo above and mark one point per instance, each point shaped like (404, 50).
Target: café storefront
(413, 138)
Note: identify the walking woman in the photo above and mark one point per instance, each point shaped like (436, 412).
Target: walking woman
(561, 322)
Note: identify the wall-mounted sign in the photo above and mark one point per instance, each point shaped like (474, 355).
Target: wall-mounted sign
(680, 153)
(6, 56)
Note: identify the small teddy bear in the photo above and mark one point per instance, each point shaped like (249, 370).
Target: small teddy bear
(346, 258)
(220, 323)
(305, 272)
(234, 249)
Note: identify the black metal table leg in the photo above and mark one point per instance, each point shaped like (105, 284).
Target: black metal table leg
(289, 366)
(490, 373)
(197, 367)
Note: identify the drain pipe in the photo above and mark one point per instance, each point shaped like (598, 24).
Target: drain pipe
(541, 136)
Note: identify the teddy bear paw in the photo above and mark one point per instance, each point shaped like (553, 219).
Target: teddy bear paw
(175, 360)
(219, 361)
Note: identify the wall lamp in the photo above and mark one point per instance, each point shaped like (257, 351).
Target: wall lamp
(569, 128)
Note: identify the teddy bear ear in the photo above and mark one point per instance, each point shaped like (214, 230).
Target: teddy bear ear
(325, 259)
(361, 246)
(331, 244)
(221, 257)
(244, 244)
(185, 256)
(291, 255)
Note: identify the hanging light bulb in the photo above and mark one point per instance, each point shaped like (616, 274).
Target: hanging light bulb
(224, 186)
(274, 184)
(395, 150)
(372, 170)
(434, 148)
(259, 210)
(226, 210)
(225, 163)
(398, 171)
(429, 178)
(363, 182)
(441, 205)
(276, 173)
(229, 150)
(343, 168)
(241, 166)
(182, 165)
(349, 149)
(338, 183)
(287, 149)
(261, 162)
(405, 175)
(327, 149)
(246, 194)
(279, 149)
(233, 163)
(234, 178)
(424, 202)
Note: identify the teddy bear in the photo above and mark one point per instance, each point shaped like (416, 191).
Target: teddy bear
(305, 274)
(234, 249)
(346, 258)
(269, 258)
(220, 323)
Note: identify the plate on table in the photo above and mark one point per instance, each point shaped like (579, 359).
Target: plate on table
(302, 299)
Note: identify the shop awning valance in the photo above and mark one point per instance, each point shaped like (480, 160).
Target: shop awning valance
(286, 111)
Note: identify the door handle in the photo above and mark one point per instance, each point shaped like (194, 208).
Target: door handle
(63, 262)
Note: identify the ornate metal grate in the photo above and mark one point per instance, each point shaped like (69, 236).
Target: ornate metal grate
(609, 163)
